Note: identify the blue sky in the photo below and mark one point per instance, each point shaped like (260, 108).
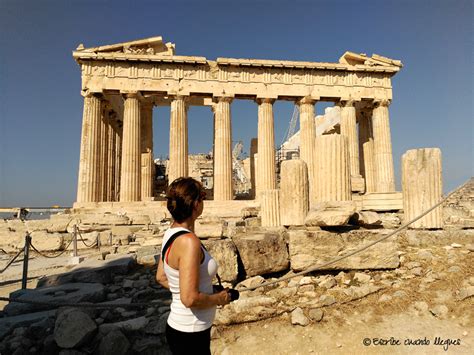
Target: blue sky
(41, 105)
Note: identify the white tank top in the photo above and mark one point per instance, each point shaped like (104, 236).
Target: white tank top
(181, 317)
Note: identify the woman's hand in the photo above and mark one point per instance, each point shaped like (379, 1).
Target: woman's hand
(223, 297)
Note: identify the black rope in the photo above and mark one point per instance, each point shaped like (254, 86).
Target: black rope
(47, 256)
(84, 242)
(81, 305)
(12, 260)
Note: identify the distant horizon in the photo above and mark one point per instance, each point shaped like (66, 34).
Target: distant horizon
(41, 105)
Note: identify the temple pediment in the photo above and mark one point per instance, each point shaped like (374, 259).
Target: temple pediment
(352, 58)
(147, 46)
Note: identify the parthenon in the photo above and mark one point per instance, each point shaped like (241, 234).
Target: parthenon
(121, 84)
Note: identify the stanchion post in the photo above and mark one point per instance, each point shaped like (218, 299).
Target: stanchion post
(74, 241)
(26, 254)
(110, 238)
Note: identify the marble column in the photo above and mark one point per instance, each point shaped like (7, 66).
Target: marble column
(223, 189)
(253, 165)
(118, 156)
(111, 135)
(294, 192)
(384, 173)
(332, 169)
(147, 163)
(178, 154)
(266, 146)
(307, 139)
(270, 208)
(422, 185)
(130, 182)
(366, 149)
(88, 187)
(104, 145)
(349, 130)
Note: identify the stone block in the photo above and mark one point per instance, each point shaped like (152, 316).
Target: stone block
(208, 227)
(12, 241)
(44, 241)
(125, 230)
(23, 320)
(17, 225)
(311, 248)
(294, 193)
(335, 213)
(262, 253)
(140, 219)
(366, 219)
(225, 254)
(73, 328)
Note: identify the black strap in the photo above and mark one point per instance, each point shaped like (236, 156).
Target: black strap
(170, 241)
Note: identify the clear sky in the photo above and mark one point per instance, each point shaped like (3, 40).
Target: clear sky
(41, 105)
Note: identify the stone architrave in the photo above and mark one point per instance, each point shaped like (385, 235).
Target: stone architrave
(147, 163)
(294, 194)
(422, 186)
(270, 208)
(223, 189)
(178, 154)
(332, 169)
(266, 146)
(308, 136)
(110, 171)
(130, 182)
(383, 159)
(253, 166)
(349, 130)
(366, 149)
(88, 187)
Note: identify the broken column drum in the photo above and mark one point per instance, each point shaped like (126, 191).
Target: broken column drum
(422, 186)
(294, 194)
(270, 208)
(332, 169)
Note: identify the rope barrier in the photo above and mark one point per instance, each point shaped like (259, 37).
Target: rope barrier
(48, 256)
(84, 242)
(335, 260)
(12, 261)
(81, 304)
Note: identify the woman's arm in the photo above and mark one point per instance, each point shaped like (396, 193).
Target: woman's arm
(189, 262)
(161, 276)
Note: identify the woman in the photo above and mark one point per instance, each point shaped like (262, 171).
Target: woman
(187, 270)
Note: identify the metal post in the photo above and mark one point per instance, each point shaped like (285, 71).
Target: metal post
(110, 238)
(74, 241)
(26, 254)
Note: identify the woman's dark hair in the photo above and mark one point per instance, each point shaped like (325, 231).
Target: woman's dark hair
(181, 196)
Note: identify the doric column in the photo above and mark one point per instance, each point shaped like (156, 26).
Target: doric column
(366, 149)
(307, 138)
(384, 173)
(87, 186)
(104, 145)
(130, 182)
(111, 157)
(294, 192)
(266, 146)
(178, 155)
(253, 165)
(148, 165)
(222, 150)
(270, 208)
(349, 130)
(332, 168)
(118, 156)
(422, 185)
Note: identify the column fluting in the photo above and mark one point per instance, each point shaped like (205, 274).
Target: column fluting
(349, 130)
(384, 172)
(147, 163)
(366, 149)
(223, 189)
(110, 157)
(178, 154)
(87, 187)
(130, 182)
(307, 139)
(266, 146)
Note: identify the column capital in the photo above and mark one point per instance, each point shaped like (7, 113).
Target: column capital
(381, 102)
(131, 94)
(265, 101)
(217, 99)
(346, 103)
(306, 100)
(88, 93)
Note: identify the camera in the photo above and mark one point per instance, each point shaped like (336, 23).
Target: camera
(233, 293)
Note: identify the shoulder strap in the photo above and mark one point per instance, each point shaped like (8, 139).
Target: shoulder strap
(170, 241)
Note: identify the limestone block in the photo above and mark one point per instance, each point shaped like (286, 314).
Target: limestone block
(262, 253)
(140, 219)
(294, 192)
(16, 225)
(270, 210)
(50, 225)
(124, 230)
(332, 174)
(422, 186)
(106, 219)
(336, 213)
(73, 328)
(12, 241)
(209, 227)
(225, 254)
(311, 248)
(44, 241)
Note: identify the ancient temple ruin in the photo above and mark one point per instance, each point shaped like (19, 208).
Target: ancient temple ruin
(121, 84)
